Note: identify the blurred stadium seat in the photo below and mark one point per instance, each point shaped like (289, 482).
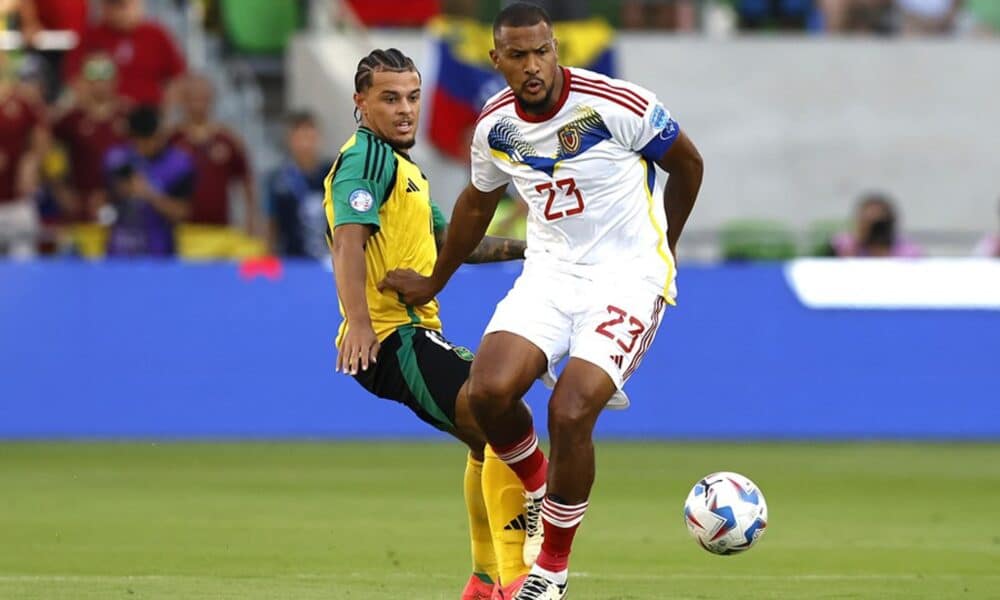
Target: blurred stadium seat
(756, 240)
(260, 26)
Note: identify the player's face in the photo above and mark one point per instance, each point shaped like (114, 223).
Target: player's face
(391, 107)
(528, 59)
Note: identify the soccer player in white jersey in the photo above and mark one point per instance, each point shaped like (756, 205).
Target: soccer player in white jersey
(580, 148)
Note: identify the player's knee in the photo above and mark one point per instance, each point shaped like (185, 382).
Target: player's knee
(571, 415)
(490, 391)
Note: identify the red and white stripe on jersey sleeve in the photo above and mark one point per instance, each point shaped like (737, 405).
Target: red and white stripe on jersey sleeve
(503, 100)
(620, 95)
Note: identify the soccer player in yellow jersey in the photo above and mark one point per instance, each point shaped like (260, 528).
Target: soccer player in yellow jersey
(380, 217)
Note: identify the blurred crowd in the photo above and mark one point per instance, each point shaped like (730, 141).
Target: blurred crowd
(907, 17)
(109, 144)
(887, 17)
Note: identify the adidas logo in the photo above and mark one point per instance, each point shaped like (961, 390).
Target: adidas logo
(410, 186)
(516, 524)
(617, 359)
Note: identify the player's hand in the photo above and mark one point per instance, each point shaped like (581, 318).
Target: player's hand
(141, 188)
(358, 349)
(414, 288)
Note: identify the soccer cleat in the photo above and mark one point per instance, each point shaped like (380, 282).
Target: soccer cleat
(506, 592)
(537, 587)
(534, 533)
(477, 589)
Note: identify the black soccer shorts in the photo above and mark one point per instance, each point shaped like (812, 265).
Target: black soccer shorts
(419, 368)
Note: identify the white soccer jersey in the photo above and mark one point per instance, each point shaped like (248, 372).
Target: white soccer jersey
(586, 171)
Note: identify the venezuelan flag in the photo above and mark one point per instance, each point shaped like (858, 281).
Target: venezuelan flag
(464, 77)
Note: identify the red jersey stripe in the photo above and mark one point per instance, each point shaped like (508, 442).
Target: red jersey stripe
(504, 96)
(642, 101)
(641, 105)
(493, 108)
(614, 99)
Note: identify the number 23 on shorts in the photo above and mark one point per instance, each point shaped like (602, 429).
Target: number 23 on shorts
(616, 328)
(630, 334)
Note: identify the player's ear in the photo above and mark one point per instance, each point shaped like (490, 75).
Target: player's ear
(495, 58)
(359, 104)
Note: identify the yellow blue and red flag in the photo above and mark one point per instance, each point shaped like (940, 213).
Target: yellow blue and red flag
(464, 77)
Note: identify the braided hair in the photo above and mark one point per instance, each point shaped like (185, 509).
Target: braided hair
(380, 60)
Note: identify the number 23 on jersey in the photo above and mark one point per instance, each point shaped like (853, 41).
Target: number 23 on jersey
(564, 198)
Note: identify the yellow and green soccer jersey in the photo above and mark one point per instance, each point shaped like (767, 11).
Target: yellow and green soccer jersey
(373, 184)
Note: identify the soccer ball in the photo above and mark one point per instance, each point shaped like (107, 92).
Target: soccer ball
(726, 513)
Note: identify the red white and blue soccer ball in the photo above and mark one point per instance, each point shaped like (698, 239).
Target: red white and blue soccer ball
(726, 513)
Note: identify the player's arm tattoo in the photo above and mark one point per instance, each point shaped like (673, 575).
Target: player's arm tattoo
(491, 249)
(497, 249)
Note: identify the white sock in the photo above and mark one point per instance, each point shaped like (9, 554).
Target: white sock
(559, 577)
(537, 494)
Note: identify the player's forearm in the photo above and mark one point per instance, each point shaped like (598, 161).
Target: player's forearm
(468, 225)
(174, 210)
(349, 272)
(497, 249)
(680, 194)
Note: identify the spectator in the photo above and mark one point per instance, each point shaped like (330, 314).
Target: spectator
(875, 232)
(32, 75)
(63, 16)
(989, 245)
(150, 184)
(144, 53)
(219, 158)
(928, 17)
(295, 193)
(52, 15)
(672, 15)
(23, 139)
(97, 122)
(792, 15)
(857, 16)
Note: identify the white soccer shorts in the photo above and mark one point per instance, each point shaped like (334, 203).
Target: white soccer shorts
(607, 322)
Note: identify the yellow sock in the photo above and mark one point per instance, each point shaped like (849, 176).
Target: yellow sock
(484, 560)
(504, 496)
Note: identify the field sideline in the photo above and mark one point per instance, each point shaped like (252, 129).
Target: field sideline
(380, 521)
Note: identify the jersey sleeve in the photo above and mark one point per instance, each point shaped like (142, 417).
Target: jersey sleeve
(360, 185)
(486, 175)
(440, 223)
(650, 135)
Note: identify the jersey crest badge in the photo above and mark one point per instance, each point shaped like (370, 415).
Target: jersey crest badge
(463, 353)
(569, 139)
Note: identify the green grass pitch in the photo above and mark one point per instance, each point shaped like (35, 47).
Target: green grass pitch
(380, 521)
